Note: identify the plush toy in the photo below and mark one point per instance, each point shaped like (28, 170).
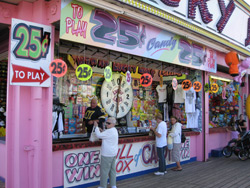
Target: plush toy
(220, 84)
(242, 69)
(222, 109)
(217, 109)
(232, 60)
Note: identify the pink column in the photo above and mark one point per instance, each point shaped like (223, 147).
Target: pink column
(29, 119)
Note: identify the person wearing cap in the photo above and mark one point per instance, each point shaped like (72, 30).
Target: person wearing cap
(109, 151)
(93, 114)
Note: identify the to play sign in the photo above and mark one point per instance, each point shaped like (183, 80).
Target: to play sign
(30, 54)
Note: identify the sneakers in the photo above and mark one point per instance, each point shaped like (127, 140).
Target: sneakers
(159, 173)
(165, 172)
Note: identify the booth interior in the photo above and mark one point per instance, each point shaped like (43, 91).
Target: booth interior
(225, 100)
(72, 96)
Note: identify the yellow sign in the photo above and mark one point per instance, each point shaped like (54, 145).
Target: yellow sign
(84, 72)
(214, 88)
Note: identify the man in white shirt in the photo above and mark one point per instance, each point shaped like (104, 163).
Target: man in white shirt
(161, 143)
(109, 151)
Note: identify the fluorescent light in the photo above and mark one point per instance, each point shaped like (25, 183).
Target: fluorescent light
(220, 78)
(104, 6)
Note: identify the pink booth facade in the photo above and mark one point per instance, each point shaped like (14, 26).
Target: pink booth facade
(28, 156)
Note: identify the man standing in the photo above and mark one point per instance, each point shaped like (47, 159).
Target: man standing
(161, 143)
(93, 114)
(109, 151)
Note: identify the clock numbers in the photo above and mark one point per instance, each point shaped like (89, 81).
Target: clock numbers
(126, 103)
(128, 96)
(126, 90)
(108, 101)
(122, 108)
(112, 107)
(123, 84)
(109, 87)
(113, 82)
(118, 81)
(186, 85)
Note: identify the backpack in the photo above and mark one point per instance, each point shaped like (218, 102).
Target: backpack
(183, 138)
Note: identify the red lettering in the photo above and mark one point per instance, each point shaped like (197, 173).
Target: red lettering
(226, 14)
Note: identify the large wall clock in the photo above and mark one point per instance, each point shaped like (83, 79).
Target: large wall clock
(117, 96)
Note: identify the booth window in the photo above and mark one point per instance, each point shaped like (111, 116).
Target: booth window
(71, 96)
(223, 101)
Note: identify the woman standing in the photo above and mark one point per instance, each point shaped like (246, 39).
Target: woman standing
(242, 125)
(161, 143)
(176, 134)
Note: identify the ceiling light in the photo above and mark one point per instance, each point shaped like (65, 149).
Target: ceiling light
(220, 78)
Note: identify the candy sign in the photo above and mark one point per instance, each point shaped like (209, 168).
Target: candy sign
(30, 54)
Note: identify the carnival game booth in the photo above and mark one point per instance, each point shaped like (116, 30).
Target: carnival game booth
(227, 99)
(133, 79)
(84, 51)
(137, 106)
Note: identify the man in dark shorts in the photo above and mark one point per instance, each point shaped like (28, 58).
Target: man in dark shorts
(92, 114)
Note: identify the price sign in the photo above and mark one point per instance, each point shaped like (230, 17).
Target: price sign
(146, 80)
(84, 72)
(186, 85)
(128, 77)
(197, 86)
(108, 73)
(214, 88)
(58, 68)
(174, 83)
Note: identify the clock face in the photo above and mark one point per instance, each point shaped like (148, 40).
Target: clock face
(110, 94)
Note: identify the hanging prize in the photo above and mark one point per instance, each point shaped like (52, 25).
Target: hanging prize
(58, 68)
(174, 83)
(84, 72)
(146, 80)
(108, 73)
(128, 77)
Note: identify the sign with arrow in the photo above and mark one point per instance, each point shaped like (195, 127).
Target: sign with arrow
(30, 54)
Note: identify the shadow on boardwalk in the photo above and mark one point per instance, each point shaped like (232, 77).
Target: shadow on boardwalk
(216, 172)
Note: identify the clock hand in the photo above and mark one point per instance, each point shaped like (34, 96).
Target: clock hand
(117, 98)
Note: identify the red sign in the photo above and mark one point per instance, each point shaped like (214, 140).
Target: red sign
(146, 80)
(186, 85)
(58, 68)
(26, 74)
(197, 86)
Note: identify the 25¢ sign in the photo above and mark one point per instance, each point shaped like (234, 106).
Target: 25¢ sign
(30, 54)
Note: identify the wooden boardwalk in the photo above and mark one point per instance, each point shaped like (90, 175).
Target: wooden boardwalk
(215, 173)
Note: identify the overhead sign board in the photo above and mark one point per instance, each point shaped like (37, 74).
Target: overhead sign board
(225, 21)
(30, 54)
(82, 23)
